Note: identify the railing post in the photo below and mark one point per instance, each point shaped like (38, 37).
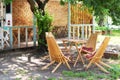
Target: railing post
(26, 36)
(19, 37)
(69, 20)
(34, 35)
(78, 32)
(11, 37)
(2, 40)
(83, 31)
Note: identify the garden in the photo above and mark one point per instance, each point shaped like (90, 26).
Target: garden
(27, 63)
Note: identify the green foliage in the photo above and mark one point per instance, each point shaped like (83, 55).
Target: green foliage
(115, 72)
(102, 28)
(101, 8)
(44, 25)
(7, 1)
(62, 2)
(52, 79)
(116, 32)
(55, 78)
(115, 12)
(76, 74)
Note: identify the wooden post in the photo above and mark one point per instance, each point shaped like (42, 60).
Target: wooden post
(69, 20)
(11, 37)
(34, 35)
(26, 36)
(19, 37)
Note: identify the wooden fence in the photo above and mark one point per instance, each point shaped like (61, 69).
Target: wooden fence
(81, 22)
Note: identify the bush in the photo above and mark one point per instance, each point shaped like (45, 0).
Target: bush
(44, 23)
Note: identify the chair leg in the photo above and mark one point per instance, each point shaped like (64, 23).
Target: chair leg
(103, 69)
(65, 45)
(88, 65)
(45, 67)
(56, 67)
(76, 60)
(67, 64)
(79, 57)
(104, 64)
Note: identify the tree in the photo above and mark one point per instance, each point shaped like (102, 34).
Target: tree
(101, 8)
(43, 21)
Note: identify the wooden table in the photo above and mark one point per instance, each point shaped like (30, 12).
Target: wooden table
(74, 43)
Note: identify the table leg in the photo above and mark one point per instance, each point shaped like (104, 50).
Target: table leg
(79, 55)
(65, 45)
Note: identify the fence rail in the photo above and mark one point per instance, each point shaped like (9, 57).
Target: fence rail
(19, 36)
(81, 31)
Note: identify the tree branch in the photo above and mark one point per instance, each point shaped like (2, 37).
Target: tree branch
(41, 5)
(32, 4)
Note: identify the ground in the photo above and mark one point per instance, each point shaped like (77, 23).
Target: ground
(26, 65)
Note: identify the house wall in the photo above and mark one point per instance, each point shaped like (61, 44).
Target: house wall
(21, 13)
(59, 13)
(23, 16)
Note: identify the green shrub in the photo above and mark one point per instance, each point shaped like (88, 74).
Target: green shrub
(114, 72)
(44, 23)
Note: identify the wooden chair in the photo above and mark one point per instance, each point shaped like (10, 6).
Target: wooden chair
(96, 56)
(91, 43)
(90, 46)
(55, 53)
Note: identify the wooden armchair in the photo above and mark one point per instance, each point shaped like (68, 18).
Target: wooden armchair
(96, 56)
(90, 46)
(55, 53)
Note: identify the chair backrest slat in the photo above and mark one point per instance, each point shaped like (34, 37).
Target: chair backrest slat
(55, 52)
(99, 53)
(91, 42)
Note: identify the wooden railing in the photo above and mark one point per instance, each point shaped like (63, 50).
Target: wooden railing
(77, 31)
(81, 31)
(60, 31)
(20, 35)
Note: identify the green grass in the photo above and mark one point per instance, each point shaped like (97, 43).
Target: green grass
(115, 33)
(91, 75)
(88, 75)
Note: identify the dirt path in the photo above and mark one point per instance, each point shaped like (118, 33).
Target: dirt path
(26, 65)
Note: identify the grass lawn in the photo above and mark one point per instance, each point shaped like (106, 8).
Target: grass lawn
(91, 75)
(115, 33)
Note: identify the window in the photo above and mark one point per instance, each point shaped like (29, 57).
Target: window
(0, 24)
(8, 8)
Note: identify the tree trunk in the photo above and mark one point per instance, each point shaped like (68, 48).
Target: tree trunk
(39, 4)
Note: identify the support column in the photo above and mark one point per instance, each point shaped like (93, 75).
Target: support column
(69, 20)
